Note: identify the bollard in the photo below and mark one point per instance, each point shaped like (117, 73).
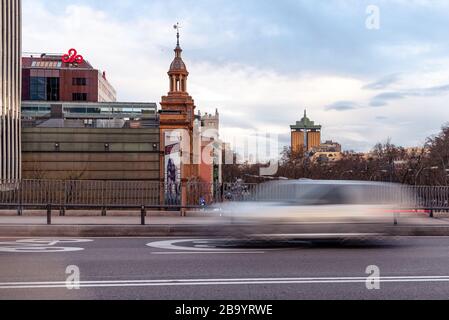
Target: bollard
(62, 212)
(395, 219)
(143, 213)
(49, 214)
(103, 212)
(431, 213)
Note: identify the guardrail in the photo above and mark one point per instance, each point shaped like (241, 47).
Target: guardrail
(143, 209)
(119, 192)
(107, 195)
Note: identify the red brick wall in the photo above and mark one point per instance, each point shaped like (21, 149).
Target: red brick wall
(67, 87)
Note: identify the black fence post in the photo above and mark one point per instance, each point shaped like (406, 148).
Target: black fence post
(103, 199)
(19, 198)
(62, 198)
(49, 214)
(143, 213)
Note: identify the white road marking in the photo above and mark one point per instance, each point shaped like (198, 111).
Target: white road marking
(318, 235)
(172, 245)
(41, 245)
(211, 252)
(39, 249)
(108, 238)
(51, 241)
(208, 282)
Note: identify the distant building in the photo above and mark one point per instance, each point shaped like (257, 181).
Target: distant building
(305, 135)
(74, 129)
(415, 150)
(90, 141)
(206, 131)
(327, 157)
(49, 78)
(10, 53)
(210, 121)
(328, 146)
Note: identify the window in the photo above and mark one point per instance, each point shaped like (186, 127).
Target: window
(44, 89)
(38, 88)
(46, 64)
(79, 81)
(52, 89)
(79, 96)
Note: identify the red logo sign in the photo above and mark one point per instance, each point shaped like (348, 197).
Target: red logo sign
(72, 57)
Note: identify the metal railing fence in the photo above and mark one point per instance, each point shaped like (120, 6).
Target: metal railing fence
(153, 194)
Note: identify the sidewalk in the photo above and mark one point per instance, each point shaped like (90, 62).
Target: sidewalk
(195, 224)
(109, 220)
(97, 213)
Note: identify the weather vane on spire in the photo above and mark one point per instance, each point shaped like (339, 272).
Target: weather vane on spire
(177, 27)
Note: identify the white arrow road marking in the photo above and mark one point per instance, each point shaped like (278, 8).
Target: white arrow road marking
(208, 252)
(42, 245)
(208, 282)
(173, 245)
(39, 249)
(52, 241)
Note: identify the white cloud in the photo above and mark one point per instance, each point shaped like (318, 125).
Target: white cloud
(136, 54)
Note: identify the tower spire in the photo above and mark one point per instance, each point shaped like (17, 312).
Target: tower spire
(178, 71)
(177, 27)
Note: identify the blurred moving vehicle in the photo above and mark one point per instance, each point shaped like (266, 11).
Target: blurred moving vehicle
(322, 208)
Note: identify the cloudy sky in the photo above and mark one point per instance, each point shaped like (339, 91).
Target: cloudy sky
(261, 62)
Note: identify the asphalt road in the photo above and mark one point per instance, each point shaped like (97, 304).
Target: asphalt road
(150, 268)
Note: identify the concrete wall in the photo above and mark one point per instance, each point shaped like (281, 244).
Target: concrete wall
(90, 154)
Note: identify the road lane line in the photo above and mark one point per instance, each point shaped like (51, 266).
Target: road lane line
(236, 279)
(208, 282)
(221, 283)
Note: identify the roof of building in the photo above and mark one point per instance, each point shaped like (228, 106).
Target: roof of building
(45, 61)
(178, 64)
(305, 123)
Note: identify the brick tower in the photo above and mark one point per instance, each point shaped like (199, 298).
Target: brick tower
(178, 113)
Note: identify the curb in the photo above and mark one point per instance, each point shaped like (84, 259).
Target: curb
(194, 230)
(105, 231)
